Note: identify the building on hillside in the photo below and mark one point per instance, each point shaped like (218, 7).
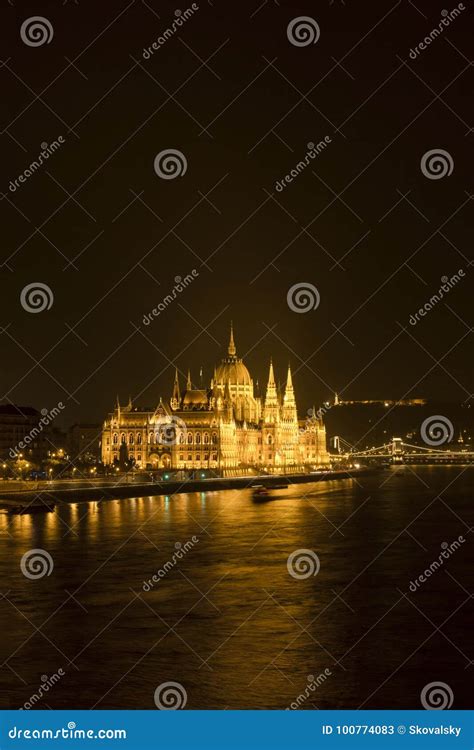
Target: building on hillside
(224, 428)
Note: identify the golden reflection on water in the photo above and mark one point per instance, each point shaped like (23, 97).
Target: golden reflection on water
(90, 523)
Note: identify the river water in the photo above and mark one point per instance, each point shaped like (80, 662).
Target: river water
(227, 620)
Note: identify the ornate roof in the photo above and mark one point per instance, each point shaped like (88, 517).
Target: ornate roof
(232, 370)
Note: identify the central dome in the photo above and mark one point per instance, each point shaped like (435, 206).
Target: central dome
(232, 370)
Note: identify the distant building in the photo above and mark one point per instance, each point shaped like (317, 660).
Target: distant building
(84, 442)
(21, 432)
(381, 402)
(224, 427)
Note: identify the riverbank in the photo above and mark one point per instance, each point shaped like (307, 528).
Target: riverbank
(118, 489)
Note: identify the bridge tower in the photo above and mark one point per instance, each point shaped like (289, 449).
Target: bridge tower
(397, 450)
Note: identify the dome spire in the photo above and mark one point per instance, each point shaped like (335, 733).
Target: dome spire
(232, 351)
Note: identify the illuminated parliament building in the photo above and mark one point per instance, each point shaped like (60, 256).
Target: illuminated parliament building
(224, 428)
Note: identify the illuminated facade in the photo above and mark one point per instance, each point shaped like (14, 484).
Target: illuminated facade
(225, 428)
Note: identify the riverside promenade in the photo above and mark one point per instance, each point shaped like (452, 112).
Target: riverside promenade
(96, 489)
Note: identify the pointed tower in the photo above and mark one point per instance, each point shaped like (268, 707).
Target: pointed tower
(271, 409)
(289, 405)
(176, 397)
(189, 385)
(232, 351)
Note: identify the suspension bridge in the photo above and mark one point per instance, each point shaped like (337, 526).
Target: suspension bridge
(398, 452)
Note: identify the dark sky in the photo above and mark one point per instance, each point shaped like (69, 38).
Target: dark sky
(361, 223)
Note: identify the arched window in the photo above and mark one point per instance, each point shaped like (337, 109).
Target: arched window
(139, 438)
(206, 437)
(115, 438)
(269, 439)
(214, 438)
(182, 435)
(190, 437)
(122, 438)
(130, 439)
(151, 438)
(198, 437)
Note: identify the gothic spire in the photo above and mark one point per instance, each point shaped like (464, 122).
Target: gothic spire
(271, 408)
(176, 394)
(232, 351)
(289, 398)
(189, 385)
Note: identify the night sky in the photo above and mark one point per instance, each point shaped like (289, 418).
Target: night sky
(361, 223)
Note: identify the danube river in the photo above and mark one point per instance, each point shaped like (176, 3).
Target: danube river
(229, 618)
